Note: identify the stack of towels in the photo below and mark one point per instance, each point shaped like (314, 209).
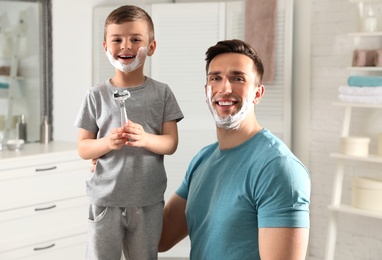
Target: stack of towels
(362, 89)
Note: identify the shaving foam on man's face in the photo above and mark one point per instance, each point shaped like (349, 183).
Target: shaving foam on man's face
(138, 61)
(231, 122)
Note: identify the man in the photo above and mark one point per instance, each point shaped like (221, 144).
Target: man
(246, 196)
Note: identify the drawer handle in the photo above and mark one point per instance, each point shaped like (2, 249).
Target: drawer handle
(46, 169)
(44, 247)
(46, 208)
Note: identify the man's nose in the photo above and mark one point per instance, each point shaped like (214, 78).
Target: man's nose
(225, 87)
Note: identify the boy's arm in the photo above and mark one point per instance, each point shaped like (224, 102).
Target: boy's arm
(174, 223)
(283, 243)
(166, 143)
(89, 147)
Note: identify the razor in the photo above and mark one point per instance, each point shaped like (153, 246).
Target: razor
(121, 96)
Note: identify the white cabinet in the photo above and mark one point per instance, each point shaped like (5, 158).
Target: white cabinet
(43, 203)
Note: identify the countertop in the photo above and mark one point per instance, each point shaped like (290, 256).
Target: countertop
(31, 149)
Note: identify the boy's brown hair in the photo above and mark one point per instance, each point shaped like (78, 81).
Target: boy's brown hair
(130, 13)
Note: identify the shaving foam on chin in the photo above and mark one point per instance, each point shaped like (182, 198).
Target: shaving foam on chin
(230, 122)
(138, 61)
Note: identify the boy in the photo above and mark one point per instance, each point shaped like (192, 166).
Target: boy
(126, 191)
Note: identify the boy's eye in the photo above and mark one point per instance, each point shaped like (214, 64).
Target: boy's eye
(116, 40)
(136, 40)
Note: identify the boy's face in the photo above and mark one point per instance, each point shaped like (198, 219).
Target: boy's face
(124, 40)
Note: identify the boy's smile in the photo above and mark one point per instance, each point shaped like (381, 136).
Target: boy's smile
(125, 58)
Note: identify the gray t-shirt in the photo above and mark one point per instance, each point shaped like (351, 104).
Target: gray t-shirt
(131, 176)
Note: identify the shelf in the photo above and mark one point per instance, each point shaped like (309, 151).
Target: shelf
(6, 77)
(364, 105)
(365, 34)
(365, 1)
(370, 68)
(371, 158)
(360, 212)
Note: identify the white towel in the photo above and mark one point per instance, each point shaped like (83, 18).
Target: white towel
(361, 99)
(360, 91)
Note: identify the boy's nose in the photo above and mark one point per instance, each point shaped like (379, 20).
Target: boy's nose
(126, 46)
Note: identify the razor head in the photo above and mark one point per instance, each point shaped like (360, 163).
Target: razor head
(121, 95)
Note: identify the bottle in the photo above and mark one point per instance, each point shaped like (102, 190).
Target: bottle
(370, 22)
(45, 131)
(21, 128)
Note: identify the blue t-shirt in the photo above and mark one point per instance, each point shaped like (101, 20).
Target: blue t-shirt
(232, 193)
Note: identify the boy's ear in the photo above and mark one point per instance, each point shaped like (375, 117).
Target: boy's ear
(152, 48)
(104, 46)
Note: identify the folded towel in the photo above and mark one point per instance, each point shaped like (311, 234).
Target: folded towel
(361, 99)
(361, 91)
(4, 85)
(365, 81)
(362, 58)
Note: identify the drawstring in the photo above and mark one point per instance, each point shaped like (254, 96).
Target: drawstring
(124, 213)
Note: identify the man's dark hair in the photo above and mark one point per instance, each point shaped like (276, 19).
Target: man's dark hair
(236, 46)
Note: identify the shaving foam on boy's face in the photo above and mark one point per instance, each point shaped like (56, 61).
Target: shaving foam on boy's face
(138, 61)
(230, 122)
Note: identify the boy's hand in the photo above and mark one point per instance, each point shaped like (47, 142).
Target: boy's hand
(116, 139)
(135, 135)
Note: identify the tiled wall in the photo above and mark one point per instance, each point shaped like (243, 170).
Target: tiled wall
(358, 237)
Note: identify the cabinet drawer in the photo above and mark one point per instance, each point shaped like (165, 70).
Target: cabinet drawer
(27, 226)
(54, 167)
(31, 187)
(73, 247)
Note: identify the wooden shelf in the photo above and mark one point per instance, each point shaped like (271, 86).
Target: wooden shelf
(371, 158)
(365, 68)
(365, 34)
(365, 1)
(6, 77)
(355, 211)
(362, 105)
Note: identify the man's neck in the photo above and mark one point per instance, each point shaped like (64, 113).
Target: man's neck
(231, 138)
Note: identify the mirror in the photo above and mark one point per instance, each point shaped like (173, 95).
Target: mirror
(25, 67)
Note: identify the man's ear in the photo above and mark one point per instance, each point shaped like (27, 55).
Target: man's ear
(152, 48)
(259, 94)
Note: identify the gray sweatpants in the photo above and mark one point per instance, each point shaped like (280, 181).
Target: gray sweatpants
(135, 231)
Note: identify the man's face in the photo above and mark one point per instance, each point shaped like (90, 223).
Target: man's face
(232, 78)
